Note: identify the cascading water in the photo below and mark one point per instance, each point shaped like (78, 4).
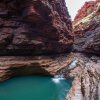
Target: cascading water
(58, 78)
(73, 64)
(61, 74)
(38, 87)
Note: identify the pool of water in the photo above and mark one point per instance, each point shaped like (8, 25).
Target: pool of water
(34, 88)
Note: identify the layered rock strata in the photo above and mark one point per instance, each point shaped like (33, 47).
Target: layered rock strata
(83, 69)
(87, 28)
(11, 66)
(87, 41)
(34, 27)
(86, 74)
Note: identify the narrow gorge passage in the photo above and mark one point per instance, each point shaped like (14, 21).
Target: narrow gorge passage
(38, 37)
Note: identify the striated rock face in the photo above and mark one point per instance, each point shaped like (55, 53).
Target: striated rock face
(86, 75)
(85, 71)
(34, 27)
(87, 28)
(86, 9)
(11, 66)
(38, 27)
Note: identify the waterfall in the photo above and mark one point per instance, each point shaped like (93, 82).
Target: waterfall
(58, 78)
(60, 75)
(73, 64)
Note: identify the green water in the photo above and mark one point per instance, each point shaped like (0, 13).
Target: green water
(34, 88)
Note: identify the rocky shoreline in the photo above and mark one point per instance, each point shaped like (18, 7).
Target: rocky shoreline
(11, 66)
(86, 78)
(86, 73)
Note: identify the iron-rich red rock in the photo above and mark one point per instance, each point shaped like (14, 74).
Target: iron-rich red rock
(44, 26)
(87, 28)
(86, 9)
(34, 27)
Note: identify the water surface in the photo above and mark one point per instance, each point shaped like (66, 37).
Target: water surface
(34, 88)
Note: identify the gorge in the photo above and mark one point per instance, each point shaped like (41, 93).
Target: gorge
(37, 37)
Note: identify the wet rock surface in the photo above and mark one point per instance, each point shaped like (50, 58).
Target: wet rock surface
(85, 72)
(83, 69)
(87, 41)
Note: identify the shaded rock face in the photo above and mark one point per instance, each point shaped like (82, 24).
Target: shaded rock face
(34, 27)
(87, 28)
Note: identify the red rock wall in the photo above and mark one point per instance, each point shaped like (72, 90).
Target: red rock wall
(34, 27)
(86, 9)
(87, 28)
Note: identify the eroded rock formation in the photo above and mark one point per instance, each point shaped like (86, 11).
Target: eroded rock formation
(34, 27)
(87, 28)
(87, 41)
(86, 74)
(11, 66)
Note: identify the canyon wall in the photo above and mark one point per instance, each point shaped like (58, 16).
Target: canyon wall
(85, 66)
(34, 27)
(39, 29)
(87, 28)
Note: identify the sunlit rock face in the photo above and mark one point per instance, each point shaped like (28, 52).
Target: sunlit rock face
(86, 73)
(87, 9)
(87, 28)
(34, 27)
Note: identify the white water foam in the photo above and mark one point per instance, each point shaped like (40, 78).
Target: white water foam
(58, 78)
(73, 64)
